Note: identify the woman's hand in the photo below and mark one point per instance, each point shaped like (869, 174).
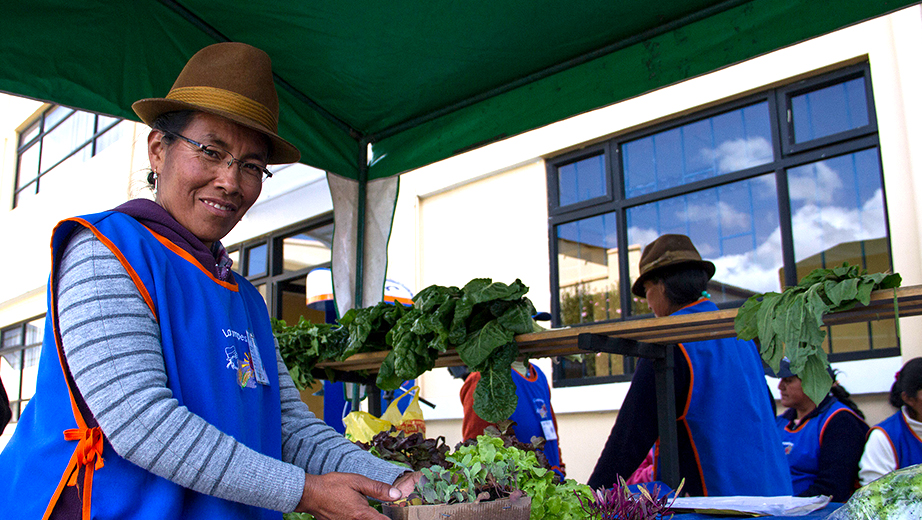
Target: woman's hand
(341, 496)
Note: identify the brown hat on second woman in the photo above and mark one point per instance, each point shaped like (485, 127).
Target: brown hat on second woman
(665, 251)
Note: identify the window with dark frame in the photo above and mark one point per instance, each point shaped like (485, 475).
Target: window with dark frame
(60, 135)
(278, 265)
(768, 187)
(20, 348)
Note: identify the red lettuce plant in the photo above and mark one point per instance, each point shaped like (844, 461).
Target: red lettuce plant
(618, 503)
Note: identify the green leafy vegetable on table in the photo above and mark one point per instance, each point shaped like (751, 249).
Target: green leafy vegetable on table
(496, 465)
(895, 496)
(550, 498)
(790, 323)
(479, 320)
(414, 451)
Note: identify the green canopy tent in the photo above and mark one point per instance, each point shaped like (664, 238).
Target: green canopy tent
(372, 89)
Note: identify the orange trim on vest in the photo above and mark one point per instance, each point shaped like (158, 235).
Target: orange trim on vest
(191, 259)
(692, 304)
(799, 426)
(532, 377)
(833, 414)
(908, 427)
(87, 457)
(691, 439)
(121, 258)
(896, 456)
(691, 383)
(88, 452)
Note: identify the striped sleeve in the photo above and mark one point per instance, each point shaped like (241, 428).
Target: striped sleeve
(112, 346)
(313, 445)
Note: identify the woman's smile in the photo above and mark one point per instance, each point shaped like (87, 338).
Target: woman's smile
(207, 197)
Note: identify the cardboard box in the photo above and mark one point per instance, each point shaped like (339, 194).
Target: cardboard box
(503, 509)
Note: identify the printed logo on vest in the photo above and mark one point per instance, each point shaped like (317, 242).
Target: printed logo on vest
(541, 408)
(245, 375)
(788, 446)
(231, 354)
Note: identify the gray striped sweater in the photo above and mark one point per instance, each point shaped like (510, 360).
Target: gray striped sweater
(112, 346)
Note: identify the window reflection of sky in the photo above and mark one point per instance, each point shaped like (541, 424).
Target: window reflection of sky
(836, 200)
(581, 180)
(598, 232)
(829, 110)
(728, 142)
(735, 226)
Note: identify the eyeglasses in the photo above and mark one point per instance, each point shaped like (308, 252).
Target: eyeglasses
(213, 155)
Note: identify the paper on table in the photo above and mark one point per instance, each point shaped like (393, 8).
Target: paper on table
(755, 506)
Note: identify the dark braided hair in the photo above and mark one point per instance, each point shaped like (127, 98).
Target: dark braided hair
(170, 123)
(683, 283)
(909, 380)
(844, 397)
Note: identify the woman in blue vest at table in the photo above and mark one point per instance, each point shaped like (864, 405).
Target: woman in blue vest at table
(161, 393)
(897, 441)
(728, 444)
(823, 443)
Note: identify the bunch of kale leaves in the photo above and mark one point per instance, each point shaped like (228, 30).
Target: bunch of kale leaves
(790, 323)
(478, 320)
(305, 344)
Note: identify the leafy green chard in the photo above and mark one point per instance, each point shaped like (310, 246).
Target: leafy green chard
(790, 323)
(479, 321)
(305, 344)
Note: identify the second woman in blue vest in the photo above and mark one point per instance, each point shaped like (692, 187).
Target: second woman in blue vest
(824, 442)
(727, 441)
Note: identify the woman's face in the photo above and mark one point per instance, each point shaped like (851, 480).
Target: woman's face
(656, 298)
(207, 199)
(914, 402)
(792, 392)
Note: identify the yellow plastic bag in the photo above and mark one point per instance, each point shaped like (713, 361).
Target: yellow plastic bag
(411, 421)
(363, 426)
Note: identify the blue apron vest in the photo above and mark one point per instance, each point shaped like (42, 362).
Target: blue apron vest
(729, 419)
(215, 337)
(534, 407)
(802, 444)
(907, 447)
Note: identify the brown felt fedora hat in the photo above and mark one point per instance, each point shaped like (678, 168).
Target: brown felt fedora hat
(665, 251)
(232, 80)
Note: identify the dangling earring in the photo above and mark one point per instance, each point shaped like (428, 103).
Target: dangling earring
(156, 178)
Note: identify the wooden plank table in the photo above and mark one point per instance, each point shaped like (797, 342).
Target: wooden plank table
(653, 338)
(666, 330)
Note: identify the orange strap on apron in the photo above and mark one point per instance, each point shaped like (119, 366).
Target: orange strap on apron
(87, 457)
(88, 452)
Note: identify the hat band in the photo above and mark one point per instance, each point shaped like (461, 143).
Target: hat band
(226, 101)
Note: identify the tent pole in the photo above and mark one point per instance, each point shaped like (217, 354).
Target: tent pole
(360, 224)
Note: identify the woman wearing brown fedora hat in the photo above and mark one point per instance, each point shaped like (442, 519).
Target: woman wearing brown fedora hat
(728, 443)
(160, 391)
